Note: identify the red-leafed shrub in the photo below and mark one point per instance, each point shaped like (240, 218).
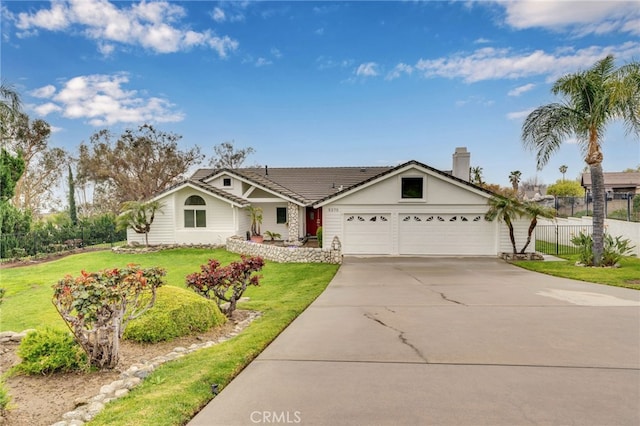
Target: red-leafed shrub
(98, 305)
(225, 284)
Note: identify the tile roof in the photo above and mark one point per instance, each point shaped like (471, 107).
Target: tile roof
(309, 185)
(615, 179)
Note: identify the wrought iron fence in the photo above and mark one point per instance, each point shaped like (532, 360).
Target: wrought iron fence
(556, 239)
(621, 206)
(54, 240)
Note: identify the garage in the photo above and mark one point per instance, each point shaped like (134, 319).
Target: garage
(445, 234)
(367, 233)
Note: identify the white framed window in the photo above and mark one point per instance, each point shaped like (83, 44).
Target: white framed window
(195, 214)
(412, 188)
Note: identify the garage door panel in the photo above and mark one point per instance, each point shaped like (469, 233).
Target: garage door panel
(445, 234)
(367, 233)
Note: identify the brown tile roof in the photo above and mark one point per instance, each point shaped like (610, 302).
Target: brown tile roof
(309, 185)
(615, 179)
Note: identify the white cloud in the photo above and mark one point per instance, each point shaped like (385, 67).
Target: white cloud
(369, 69)
(519, 115)
(398, 71)
(262, 62)
(481, 40)
(102, 101)
(151, 25)
(325, 63)
(491, 64)
(218, 15)
(579, 17)
(44, 92)
(521, 89)
(276, 53)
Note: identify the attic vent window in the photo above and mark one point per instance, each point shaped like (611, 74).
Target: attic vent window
(226, 182)
(412, 188)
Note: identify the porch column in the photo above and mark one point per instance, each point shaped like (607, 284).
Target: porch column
(293, 221)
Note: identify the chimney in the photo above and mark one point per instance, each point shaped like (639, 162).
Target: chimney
(461, 163)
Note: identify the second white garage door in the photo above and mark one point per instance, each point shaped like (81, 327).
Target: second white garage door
(446, 234)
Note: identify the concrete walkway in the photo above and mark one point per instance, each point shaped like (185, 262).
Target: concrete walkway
(446, 341)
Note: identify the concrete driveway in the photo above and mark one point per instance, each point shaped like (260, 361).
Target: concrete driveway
(446, 341)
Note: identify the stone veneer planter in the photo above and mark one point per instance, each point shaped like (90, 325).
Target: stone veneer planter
(287, 254)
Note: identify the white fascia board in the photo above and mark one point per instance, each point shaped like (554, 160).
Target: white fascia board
(254, 186)
(188, 184)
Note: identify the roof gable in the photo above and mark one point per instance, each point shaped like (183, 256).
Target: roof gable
(201, 186)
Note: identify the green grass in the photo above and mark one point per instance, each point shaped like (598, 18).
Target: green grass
(628, 275)
(285, 291)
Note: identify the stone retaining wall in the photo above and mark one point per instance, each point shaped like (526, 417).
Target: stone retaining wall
(286, 254)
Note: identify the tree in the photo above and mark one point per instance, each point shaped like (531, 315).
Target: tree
(98, 305)
(563, 170)
(591, 99)
(137, 165)
(11, 169)
(534, 211)
(10, 107)
(139, 217)
(505, 209)
(514, 178)
(227, 156)
(566, 188)
(73, 211)
(44, 165)
(225, 283)
(476, 175)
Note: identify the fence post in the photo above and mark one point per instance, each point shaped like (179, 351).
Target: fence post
(628, 207)
(557, 242)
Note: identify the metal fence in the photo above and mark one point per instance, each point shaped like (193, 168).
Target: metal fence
(556, 239)
(54, 240)
(621, 206)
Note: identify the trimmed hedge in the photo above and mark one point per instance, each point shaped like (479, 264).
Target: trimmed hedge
(177, 312)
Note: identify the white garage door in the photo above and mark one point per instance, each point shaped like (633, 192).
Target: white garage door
(446, 234)
(367, 233)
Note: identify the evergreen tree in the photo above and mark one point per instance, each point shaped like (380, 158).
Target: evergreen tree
(73, 211)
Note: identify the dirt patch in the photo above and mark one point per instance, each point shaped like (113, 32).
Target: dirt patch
(42, 400)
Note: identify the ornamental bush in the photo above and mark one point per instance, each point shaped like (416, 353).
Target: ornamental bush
(615, 248)
(177, 312)
(98, 305)
(225, 284)
(48, 351)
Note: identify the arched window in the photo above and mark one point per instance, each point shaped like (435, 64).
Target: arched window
(195, 217)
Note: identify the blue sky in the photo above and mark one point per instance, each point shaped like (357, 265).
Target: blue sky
(318, 83)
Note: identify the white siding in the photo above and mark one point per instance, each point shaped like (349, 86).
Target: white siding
(520, 229)
(269, 219)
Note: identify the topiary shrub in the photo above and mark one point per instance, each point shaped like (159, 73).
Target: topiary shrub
(177, 312)
(48, 351)
(319, 236)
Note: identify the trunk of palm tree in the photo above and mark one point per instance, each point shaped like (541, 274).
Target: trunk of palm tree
(598, 193)
(532, 226)
(512, 236)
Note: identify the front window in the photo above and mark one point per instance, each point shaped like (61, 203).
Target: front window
(412, 187)
(195, 217)
(281, 215)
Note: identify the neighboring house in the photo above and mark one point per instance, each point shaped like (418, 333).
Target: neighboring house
(616, 184)
(410, 209)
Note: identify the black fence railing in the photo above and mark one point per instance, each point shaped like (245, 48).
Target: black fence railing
(621, 206)
(556, 239)
(54, 240)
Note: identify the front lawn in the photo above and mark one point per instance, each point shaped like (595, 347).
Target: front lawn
(628, 275)
(285, 291)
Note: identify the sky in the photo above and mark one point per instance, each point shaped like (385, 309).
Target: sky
(323, 83)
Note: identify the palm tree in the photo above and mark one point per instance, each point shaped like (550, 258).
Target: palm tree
(138, 216)
(514, 178)
(534, 211)
(505, 209)
(591, 100)
(563, 170)
(476, 175)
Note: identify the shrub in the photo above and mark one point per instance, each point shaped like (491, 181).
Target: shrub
(615, 248)
(48, 351)
(177, 312)
(98, 305)
(4, 397)
(225, 283)
(319, 236)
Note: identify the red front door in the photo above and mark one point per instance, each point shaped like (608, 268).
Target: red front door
(314, 220)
